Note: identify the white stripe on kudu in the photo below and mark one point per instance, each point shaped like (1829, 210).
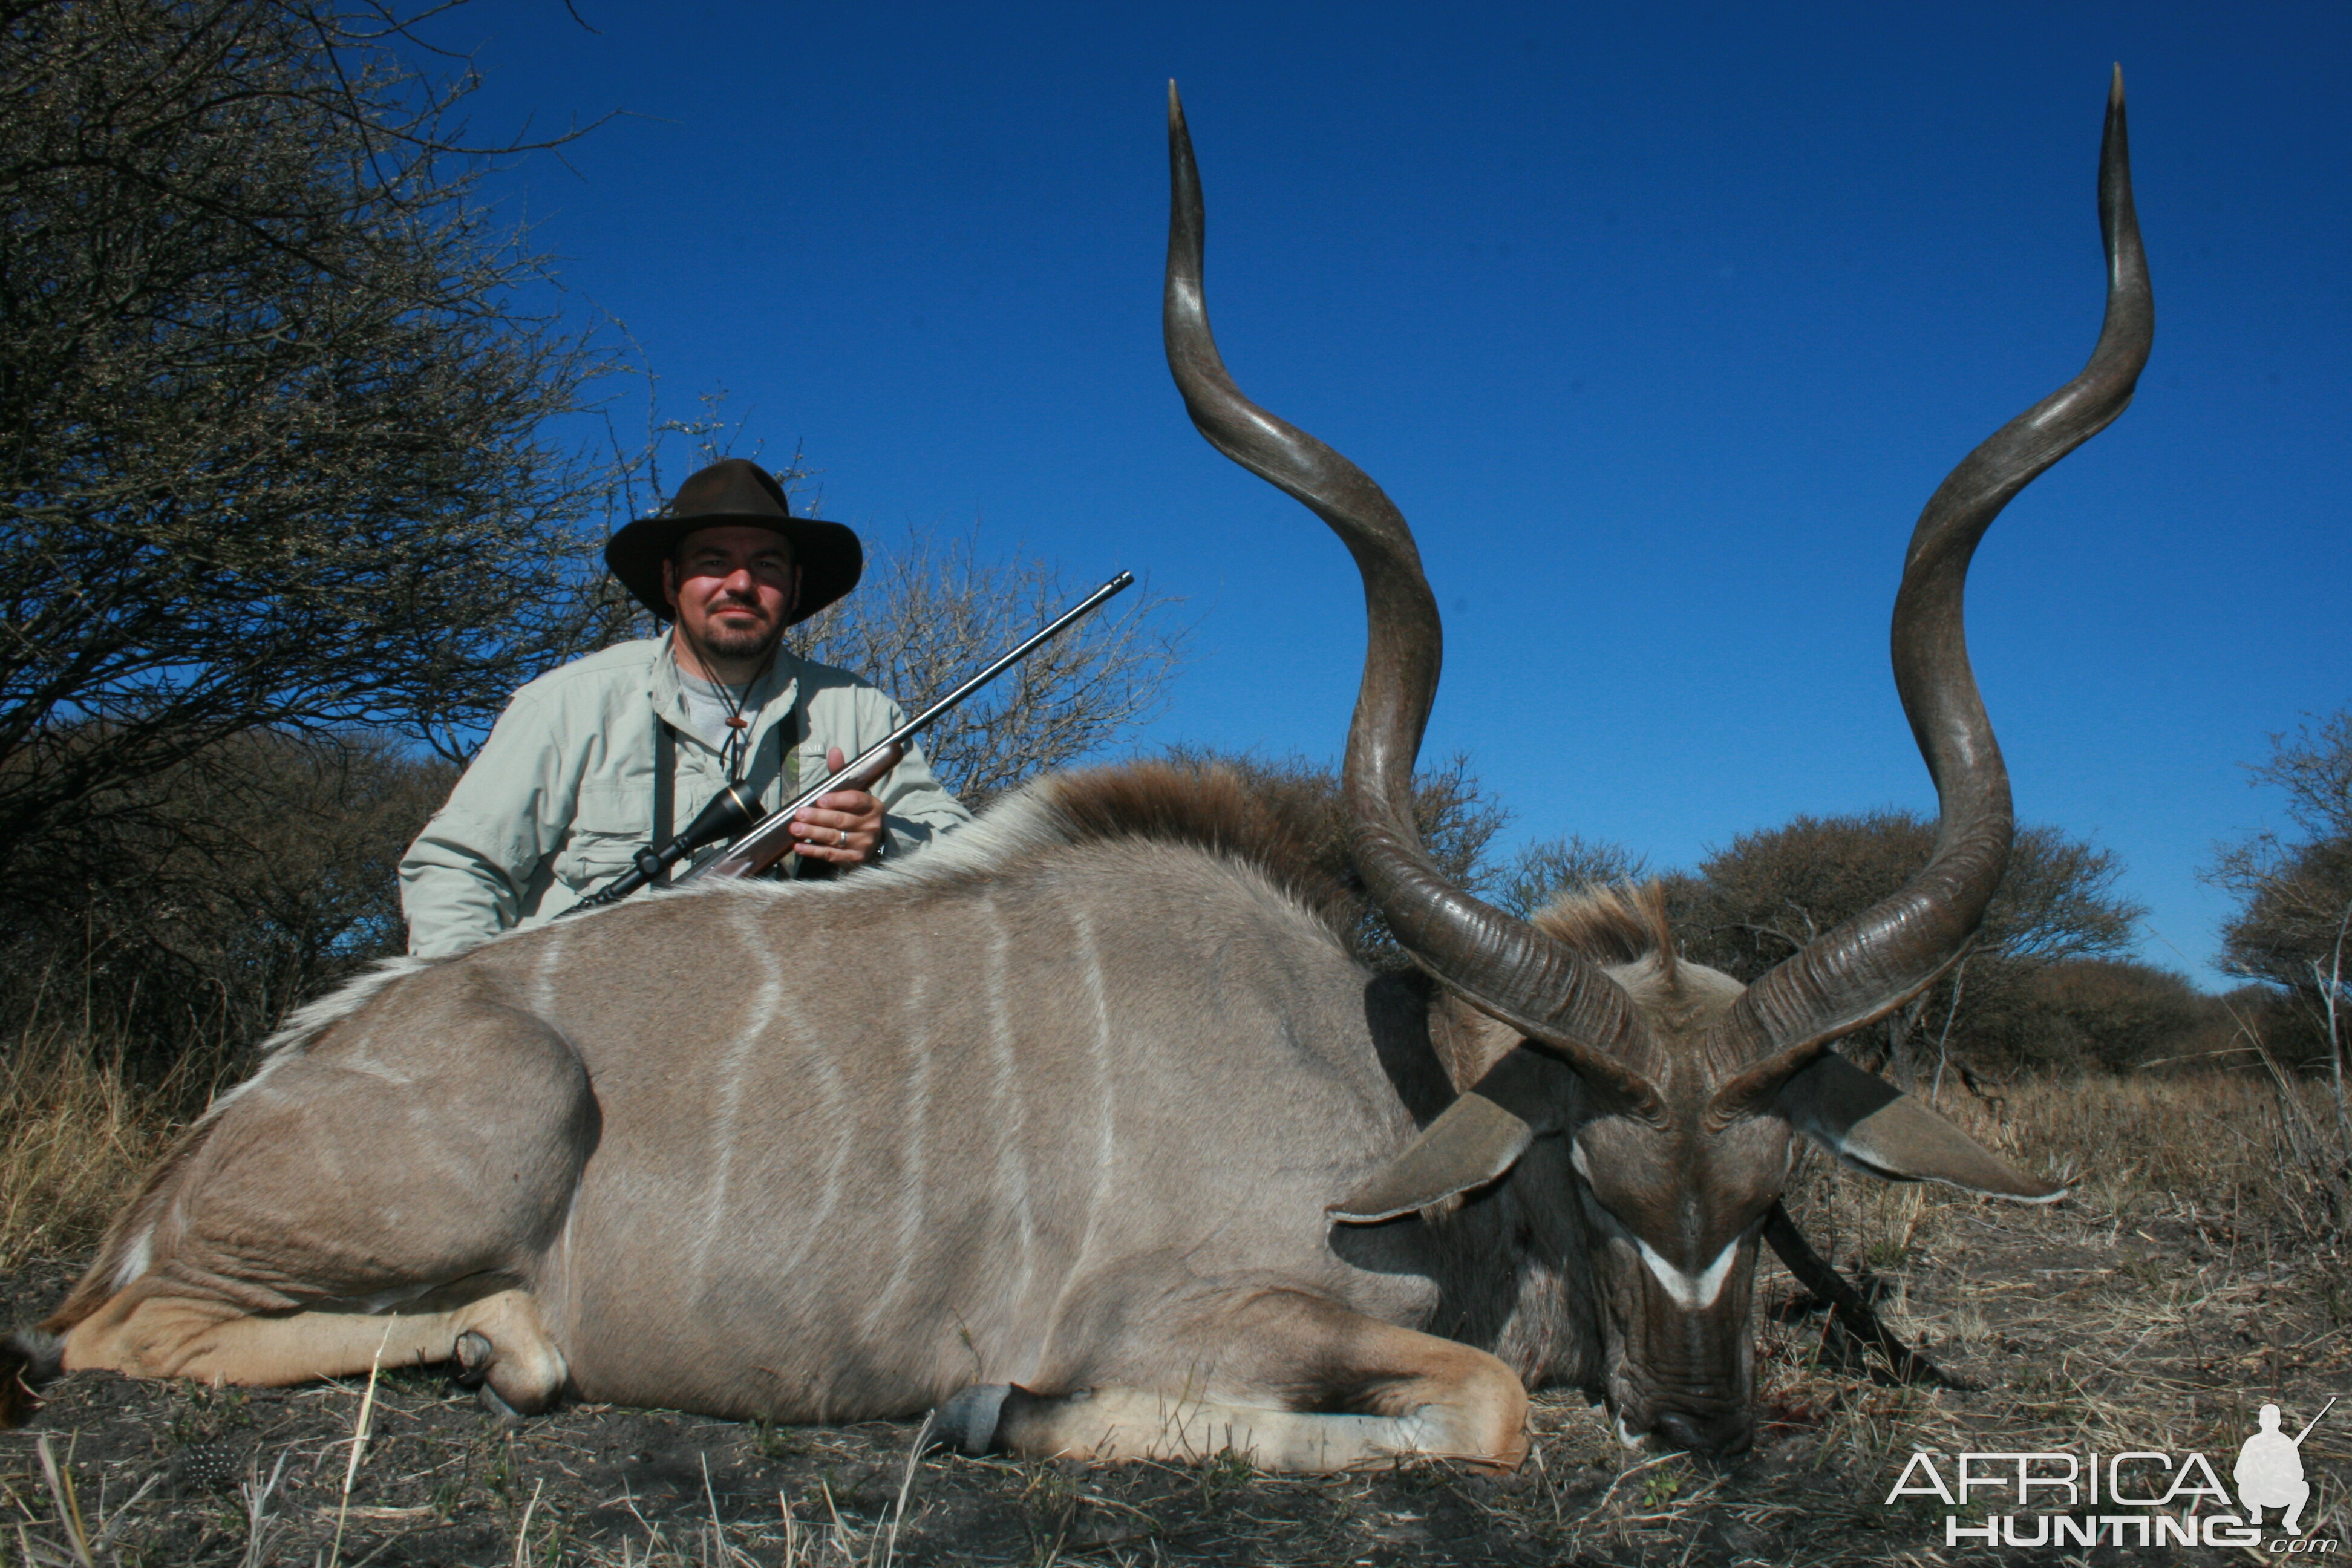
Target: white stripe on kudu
(912, 1150)
(1691, 1292)
(1008, 1120)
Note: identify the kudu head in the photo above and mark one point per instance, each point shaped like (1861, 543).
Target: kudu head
(1677, 1089)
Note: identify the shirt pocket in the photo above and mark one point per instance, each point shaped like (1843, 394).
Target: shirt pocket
(609, 826)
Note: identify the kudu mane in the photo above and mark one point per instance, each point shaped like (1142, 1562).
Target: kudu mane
(1208, 807)
(1623, 924)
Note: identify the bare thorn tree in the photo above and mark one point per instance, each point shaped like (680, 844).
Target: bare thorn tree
(931, 612)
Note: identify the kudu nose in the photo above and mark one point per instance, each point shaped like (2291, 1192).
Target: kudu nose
(1723, 1434)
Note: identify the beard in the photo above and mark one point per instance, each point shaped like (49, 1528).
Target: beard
(728, 648)
(739, 642)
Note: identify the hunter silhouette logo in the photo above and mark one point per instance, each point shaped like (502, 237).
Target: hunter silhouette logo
(2270, 1470)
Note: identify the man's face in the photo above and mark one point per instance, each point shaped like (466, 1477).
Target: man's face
(733, 588)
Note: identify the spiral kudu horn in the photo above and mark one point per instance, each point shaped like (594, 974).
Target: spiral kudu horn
(1502, 965)
(1870, 965)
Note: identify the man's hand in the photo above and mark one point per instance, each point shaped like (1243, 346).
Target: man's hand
(844, 826)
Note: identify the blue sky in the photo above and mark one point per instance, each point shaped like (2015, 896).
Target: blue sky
(1659, 324)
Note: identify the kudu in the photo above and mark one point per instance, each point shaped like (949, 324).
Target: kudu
(1104, 1140)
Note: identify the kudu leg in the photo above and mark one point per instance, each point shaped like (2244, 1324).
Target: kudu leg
(392, 1189)
(154, 1334)
(1289, 1382)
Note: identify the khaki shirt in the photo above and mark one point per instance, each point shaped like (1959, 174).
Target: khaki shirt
(561, 795)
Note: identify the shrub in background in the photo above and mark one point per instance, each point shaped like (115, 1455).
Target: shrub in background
(2293, 931)
(199, 903)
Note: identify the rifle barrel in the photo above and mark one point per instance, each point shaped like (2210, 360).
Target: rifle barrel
(767, 840)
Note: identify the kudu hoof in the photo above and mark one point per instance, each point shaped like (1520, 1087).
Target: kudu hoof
(967, 1421)
(473, 1355)
(29, 1361)
(478, 1363)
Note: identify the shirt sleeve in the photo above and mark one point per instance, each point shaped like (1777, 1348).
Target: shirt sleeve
(464, 877)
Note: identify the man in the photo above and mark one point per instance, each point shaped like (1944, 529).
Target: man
(591, 762)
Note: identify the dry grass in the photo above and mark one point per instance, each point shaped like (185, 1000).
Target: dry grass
(80, 1134)
(2197, 1269)
(2264, 1151)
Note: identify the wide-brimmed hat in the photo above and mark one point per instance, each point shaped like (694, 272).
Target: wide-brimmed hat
(735, 491)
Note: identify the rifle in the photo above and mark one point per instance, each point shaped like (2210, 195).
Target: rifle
(769, 837)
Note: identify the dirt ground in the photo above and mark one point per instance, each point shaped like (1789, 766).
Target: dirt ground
(2153, 1324)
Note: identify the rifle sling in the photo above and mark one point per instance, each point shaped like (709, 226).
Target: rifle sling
(665, 783)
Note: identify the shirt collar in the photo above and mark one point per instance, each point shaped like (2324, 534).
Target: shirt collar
(775, 693)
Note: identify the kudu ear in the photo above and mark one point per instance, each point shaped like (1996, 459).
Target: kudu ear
(1881, 1132)
(1472, 1141)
